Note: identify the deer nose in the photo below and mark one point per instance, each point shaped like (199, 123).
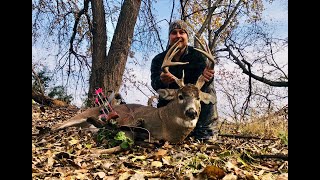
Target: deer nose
(191, 113)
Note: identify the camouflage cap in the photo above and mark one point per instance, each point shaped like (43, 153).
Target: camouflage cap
(178, 24)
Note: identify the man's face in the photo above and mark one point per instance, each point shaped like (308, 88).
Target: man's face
(176, 34)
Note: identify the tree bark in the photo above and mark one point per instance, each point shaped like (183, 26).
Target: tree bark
(98, 48)
(120, 45)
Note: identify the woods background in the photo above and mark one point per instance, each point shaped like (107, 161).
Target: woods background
(81, 45)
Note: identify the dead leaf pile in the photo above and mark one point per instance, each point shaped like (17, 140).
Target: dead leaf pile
(70, 154)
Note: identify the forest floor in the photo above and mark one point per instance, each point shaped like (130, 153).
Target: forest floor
(74, 153)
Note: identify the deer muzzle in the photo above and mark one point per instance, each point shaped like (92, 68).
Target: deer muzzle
(191, 113)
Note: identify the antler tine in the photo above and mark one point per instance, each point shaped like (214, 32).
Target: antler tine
(167, 62)
(180, 82)
(170, 54)
(207, 51)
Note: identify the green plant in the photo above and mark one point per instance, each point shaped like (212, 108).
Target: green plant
(40, 82)
(43, 78)
(125, 141)
(284, 137)
(111, 137)
(60, 93)
(105, 137)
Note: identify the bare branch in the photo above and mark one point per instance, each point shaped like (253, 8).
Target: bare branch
(225, 24)
(256, 77)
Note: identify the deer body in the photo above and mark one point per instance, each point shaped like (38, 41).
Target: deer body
(160, 122)
(173, 122)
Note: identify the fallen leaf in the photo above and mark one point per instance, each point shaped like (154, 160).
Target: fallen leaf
(50, 162)
(81, 174)
(100, 174)
(73, 141)
(268, 176)
(167, 145)
(124, 176)
(230, 177)
(137, 176)
(166, 160)
(212, 172)
(138, 158)
(261, 172)
(283, 176)
(156, 164)
(107, 165)
(161, 152)
(110, 177)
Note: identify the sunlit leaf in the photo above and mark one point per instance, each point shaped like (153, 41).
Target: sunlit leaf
(156, 163)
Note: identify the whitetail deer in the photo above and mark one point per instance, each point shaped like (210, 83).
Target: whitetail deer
(172, 122)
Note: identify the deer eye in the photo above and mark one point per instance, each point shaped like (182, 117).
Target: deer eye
(180, 97)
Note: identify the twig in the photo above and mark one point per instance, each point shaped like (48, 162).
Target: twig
(39, 81)
(247, 137)
(106, 151)
(278, 156)
(221, 125)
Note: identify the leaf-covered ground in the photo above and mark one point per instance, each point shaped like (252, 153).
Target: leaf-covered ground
(74, 154)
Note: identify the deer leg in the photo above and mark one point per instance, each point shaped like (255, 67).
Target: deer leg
(96, 122)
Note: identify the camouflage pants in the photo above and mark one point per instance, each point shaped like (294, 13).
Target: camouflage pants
(206, 125)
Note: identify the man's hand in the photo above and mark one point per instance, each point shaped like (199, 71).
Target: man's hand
(166, 78)
(208, 74)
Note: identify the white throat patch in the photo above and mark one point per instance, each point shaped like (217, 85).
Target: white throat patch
(186, 123)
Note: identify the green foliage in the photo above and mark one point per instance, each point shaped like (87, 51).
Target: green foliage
(284, 137)
(112, 137)
(195, 163)
(43, 75)
(105, 136)
(59, 92)
(198, 162)
(125, 141)
(225, 154)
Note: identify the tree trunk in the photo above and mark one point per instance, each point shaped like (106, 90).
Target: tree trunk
(107, 71)
(120, 45)
(98, 48)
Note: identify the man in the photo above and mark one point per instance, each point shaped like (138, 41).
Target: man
(196, 67)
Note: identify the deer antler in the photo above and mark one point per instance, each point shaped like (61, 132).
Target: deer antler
(167, 62)
(206, 51)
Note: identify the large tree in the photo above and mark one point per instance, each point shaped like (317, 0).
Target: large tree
(105, 70)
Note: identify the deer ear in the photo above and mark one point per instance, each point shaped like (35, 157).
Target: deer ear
(207, 98)
(167, 94)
